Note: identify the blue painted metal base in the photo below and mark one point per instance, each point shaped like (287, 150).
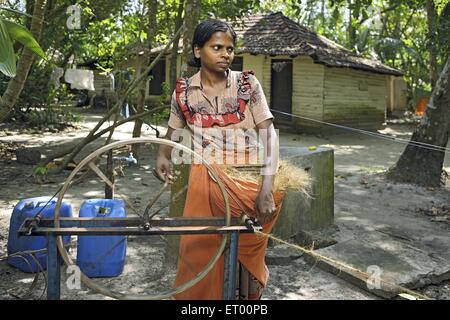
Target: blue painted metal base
(82, 226)
(230, 265)
(53, 269)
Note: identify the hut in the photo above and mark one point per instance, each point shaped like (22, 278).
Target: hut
(307, 75)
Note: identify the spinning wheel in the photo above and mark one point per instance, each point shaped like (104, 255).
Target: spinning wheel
(145, 219)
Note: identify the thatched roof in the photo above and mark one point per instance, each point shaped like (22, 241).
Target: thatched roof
(274, 34)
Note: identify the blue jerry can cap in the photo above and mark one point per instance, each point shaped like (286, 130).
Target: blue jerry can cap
(102, 210)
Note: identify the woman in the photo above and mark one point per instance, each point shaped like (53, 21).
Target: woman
(220, 99)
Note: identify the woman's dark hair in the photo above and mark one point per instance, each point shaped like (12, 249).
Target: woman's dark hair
(203, 33)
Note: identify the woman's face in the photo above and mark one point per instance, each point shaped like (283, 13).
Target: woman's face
(217, 54)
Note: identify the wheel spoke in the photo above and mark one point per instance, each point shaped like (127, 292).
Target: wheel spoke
(152, 202)
(111, 185)
(101, 175)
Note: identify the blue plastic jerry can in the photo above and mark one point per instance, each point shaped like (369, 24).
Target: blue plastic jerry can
(102, 256)
(29, 208)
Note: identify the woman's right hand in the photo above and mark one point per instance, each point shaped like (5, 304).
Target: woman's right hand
(163, 170)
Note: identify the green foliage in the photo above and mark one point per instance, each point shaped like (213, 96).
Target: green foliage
(443, 28)
(40, 171)
(363, 40)
(40, 103)
(22, 35)
(161, 116)
(10, 32)
(37, 91)
(7, 56)
(101, 30)
(229, 10)
(113, 32)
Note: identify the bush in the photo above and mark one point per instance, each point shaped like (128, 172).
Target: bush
(39, 102)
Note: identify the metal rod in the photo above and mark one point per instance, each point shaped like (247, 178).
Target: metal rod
(135, 231)
(226, 272)
(152, 202)
(130, 222)
(53, 269)
(230, 265)
(108, 226)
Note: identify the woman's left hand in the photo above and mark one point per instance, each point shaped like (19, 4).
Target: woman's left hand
(264, 206)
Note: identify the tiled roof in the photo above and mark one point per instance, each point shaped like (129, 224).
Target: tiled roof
(274, 34)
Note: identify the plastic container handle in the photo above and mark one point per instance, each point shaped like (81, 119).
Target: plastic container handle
(43, 203)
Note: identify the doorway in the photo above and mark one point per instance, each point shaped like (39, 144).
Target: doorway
(281, 88)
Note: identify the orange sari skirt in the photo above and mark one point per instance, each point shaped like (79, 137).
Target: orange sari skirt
(204, 199)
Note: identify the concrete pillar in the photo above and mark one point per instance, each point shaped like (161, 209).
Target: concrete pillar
(299, 213)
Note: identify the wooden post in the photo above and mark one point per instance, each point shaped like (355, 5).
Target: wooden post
(109, 192)
(181, 173)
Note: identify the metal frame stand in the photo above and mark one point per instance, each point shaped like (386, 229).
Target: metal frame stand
(133, 226)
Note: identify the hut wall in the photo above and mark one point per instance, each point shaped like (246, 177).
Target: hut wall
(396, 94)
(354, 98)
(308, 84)
(266, 77)
(254, 63)
(103, 86)
(101, 82)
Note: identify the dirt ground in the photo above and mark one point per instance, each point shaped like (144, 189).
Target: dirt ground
(358, 159)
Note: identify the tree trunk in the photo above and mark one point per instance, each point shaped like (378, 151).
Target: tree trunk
(16, 84)
(192, 15)
(151, 31)
(174, 52)
(322, 14)
(351, 30)
(423, 166)
(431, 42)
(29, 8)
